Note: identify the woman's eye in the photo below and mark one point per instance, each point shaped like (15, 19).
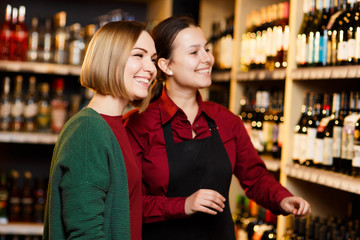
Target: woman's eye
(154, 60)
(207, 50)
(193, 52)
(138, 55)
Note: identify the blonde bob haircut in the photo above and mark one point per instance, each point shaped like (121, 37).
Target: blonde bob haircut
(106, 57)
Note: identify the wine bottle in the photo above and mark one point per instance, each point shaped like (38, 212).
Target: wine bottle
(257, 135)
(61, 50)
(300, 134)
(337, 133)
(33, 46)
(310, 39)
(345, 51)
(5, 35)
(31, 106)
(27, 198)
(14, 197)
(319, 141)
(282, 35)
(356, 158)
(76, 45)
(278, 128)
(39, 200)
(19, 35)
(268, 123)
(313, 121)
(43, 118)
(301, 56)
(5, 106)
(58, 106)
(46, 42)
(17, 105)
(321, 35)
(347, 145)
(333, 27)
(328, 162)
(4, 195)
(356, 24)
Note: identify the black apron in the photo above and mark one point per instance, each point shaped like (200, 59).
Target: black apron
(194, 165)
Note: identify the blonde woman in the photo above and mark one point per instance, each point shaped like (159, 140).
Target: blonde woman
(95, 184)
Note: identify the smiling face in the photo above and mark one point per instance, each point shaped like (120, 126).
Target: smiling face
(140, 69)
(191, 61)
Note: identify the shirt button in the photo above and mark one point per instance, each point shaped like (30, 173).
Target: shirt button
(196, 125)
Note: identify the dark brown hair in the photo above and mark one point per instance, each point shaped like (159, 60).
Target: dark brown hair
(164, 35)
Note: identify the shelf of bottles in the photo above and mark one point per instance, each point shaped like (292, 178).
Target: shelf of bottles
(42, 68)
(264, 44)
(22, 228)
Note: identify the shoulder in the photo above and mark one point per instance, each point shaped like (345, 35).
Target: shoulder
(85, 126)
(221, 114)
(148, 119)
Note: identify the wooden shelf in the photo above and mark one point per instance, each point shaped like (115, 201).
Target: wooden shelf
(32, 138)
(22, 228)
(255, 75)
(43, 68)
(326, 73)
(220, 76)
(323, 177)
(271, 163)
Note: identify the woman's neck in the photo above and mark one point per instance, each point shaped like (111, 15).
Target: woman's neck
(108, 104)
(186, 100)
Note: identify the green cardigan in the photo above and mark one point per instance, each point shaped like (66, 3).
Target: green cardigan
(88, 190)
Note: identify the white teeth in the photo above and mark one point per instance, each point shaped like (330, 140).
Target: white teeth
(203, 71)
(142, 80)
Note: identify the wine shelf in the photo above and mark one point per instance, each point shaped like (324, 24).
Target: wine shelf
(22, 228)
(220, 76)
(337, 72)
(24, 137)
(323, 177)
(43, 68)
(271, 163)
(253, 75)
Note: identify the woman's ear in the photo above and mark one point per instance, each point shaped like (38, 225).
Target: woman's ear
(165, 66)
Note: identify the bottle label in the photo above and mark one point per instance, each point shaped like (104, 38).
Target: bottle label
(343, 48)
(280, 134)
(268, 129)
(17, 108)
(337, 134)
(286, 36)
(5, 109)
(323, 47)
(356, 159)
(310, 48)
(303, 148)
(328, 149)
(296, 146)
(357, 42)
(311, 136)
(351, 48)
(319, 150)
(30, 110)
(58, 115)
(347, 145)
(317, 45)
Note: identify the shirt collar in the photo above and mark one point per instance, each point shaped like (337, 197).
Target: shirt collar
(168, 108)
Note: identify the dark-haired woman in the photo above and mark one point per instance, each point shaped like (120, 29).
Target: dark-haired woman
(189, 149)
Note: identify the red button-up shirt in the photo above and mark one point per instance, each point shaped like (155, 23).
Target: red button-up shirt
(147, 139)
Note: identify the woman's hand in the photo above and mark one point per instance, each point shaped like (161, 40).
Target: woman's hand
(295, 205)
(206, 201)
